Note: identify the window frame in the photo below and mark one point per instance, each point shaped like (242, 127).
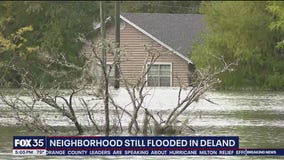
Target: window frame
(171, 73)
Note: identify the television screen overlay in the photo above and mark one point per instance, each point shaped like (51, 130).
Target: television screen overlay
(136, 146)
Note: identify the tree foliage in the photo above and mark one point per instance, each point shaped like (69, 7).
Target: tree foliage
(239, 31)
(50, 27)
(161, 6)
(277, 9)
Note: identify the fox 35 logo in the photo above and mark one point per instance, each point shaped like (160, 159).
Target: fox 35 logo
(29, 142)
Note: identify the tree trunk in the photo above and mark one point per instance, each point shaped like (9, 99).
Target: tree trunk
(117, 41)
(79, 127)
(104, 66)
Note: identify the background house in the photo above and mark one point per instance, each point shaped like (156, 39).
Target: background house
(171, 34)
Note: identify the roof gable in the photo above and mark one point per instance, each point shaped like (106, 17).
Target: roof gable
(176, 32)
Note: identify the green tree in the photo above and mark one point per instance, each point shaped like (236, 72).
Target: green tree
(277, 9)
(13, 48)
(239, 31)
(54, 29)
(161, 6)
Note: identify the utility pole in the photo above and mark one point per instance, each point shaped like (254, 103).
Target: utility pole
(117, 41)
(104, 66)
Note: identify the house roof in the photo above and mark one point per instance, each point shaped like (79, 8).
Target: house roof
(177, 32)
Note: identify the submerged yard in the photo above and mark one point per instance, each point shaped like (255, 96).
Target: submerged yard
(256, 117)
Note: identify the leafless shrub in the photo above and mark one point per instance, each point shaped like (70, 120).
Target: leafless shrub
(90, 113)
(206, 80)
(26, 114)
(152, 123)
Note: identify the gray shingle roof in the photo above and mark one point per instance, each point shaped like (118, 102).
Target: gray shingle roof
(176, 30)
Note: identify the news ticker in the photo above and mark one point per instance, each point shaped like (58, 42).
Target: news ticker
(136, 146)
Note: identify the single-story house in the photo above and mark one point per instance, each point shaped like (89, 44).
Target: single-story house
(172, 34)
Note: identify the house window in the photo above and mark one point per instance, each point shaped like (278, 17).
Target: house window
(160, 75)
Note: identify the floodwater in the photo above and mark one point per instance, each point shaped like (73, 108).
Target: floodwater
(256, 117)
